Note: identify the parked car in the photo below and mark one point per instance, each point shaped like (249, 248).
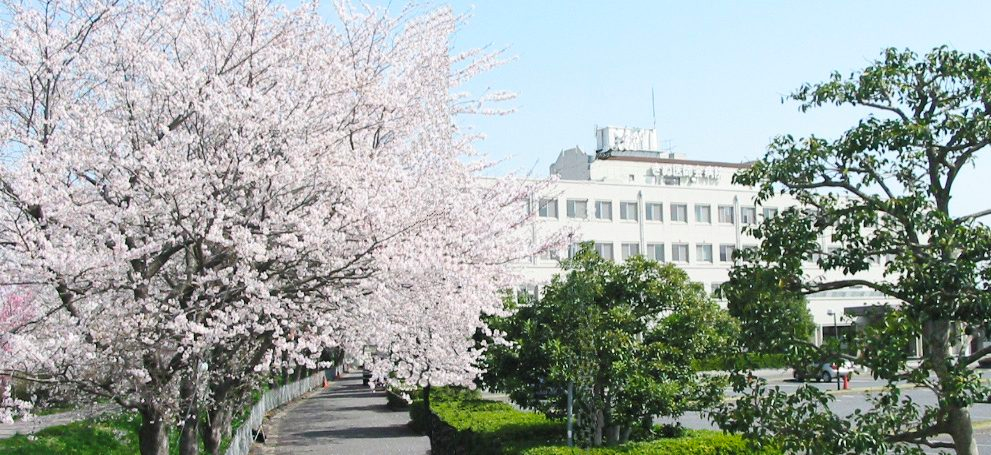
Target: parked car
(824, 371)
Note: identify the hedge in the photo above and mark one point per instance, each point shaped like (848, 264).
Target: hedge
(490, 428)
(496, 428)
(750, 360)
(695, 442)
(417, 413)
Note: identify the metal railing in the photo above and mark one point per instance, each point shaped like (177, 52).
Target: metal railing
(243, 437)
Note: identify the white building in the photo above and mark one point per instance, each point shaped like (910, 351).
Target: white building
(631, 198)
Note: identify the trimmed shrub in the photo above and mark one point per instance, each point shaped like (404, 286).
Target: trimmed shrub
(693, 443)
(751, 360)
(417, 412)
(490, 427)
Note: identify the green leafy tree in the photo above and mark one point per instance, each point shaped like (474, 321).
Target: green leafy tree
(625, 335)
(882, 193)
(771, 321)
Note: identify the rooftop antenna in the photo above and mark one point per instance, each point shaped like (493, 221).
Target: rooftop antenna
(653, 107)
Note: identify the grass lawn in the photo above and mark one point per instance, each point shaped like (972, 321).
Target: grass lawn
(110, 435)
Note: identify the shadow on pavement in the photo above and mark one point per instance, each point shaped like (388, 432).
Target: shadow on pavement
(389, 431)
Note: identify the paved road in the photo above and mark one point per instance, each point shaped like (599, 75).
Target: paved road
(346, 418)
(846, 402)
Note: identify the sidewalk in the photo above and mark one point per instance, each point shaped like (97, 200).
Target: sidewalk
(346, 418)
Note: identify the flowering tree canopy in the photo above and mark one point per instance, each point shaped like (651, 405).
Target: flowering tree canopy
(197, 186)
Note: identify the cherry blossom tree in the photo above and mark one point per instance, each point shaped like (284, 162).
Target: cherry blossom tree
(16, 311)
(202, 192)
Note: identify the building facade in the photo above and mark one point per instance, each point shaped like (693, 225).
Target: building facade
(630, 198)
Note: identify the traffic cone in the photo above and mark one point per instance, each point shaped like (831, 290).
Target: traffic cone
(846, 382)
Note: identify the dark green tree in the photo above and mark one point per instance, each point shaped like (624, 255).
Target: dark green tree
(882, 193)
(625, 334)
(772, 320)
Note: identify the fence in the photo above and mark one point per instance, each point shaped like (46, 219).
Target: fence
(243, 437)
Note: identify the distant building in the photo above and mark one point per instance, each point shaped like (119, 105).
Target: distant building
(631, 198)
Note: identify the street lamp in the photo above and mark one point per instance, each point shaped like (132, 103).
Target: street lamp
(836, 333)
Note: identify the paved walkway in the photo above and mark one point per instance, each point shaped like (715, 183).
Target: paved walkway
(346, 418)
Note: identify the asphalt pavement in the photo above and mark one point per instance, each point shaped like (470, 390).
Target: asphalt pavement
(845, 402)
(346, 418)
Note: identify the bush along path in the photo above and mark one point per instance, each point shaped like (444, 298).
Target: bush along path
(466, 425)
(346, 418)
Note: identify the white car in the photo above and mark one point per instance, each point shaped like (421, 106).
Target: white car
(825, 371)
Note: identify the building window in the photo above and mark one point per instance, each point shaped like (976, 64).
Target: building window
(577, 208)
(550, 255)
(679, 252)
(726, 253)
(654, 211)
(573, 249)
(633, 178)
(649, 179)
(715, 287)
(679, 213)
(604, 250)
(629, 250)
(628, 211)
(655, 251)
(703, 213)
(669, 180)
(770, 212)
(726, 214)
(748, 215)
(547, 208)
(603, 210)
(703, 253)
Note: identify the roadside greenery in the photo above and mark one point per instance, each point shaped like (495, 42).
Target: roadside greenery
(692, 442)
(117, 433)
(110, 435)
(741, 361)
(495, 428)
(628, 336)
(878, 197)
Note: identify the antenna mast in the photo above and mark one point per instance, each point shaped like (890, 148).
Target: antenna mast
(653, 107)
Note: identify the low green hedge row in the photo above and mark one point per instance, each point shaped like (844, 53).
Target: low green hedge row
(418, 414)
(694, 442)
(495, 428)
(752, 360)
(490, 428)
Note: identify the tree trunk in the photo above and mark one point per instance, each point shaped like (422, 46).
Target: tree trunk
(614, 432)
(430, 416)
(216, 428)
(189, 443)
(962, 430)
(600, 423)
(217, 425)
(153, 434)
(959, 425)
(626, 434)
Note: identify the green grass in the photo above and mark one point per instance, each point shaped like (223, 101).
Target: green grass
(110, 435)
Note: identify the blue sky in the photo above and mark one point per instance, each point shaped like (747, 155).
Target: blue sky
(718, 69)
